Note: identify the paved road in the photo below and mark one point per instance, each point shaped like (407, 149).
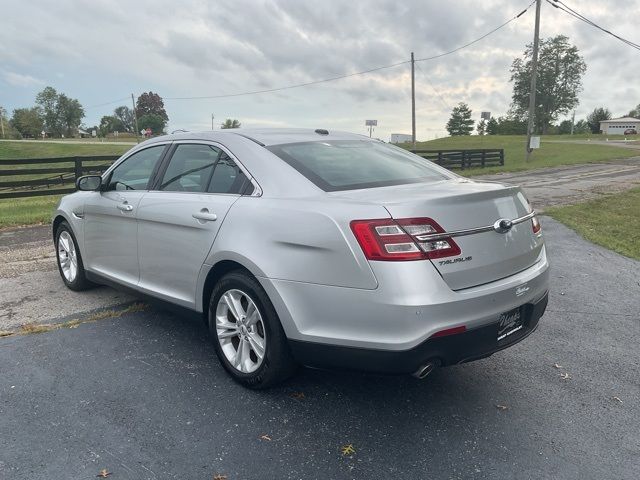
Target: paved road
(575, 183)
(143, 396)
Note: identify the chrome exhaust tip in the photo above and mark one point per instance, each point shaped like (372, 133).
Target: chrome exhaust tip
(424, 370)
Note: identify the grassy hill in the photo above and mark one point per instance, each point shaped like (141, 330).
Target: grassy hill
(548, 155)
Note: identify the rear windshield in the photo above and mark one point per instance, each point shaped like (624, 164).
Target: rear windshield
(352, 164)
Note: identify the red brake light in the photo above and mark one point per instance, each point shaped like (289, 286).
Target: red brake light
(399, 239)
(535, 224)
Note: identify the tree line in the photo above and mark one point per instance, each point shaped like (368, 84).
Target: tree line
(558, 85)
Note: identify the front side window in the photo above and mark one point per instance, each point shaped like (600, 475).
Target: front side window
(190, 168)
(352, 164)
(135, 172)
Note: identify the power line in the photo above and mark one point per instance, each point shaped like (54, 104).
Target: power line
(570, 11)
(444, 103)
(339, 77)
(107, 103)
(478, 39)
(306, 84)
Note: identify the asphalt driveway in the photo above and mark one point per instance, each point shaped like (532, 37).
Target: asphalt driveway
(144, 397)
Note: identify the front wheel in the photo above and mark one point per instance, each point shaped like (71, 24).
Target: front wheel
(247, 333)
(69, 259)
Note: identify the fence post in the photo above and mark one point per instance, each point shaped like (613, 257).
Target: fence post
(501, 156)
(483, 157)
(439, 158)
(463, 159)
(77, 168)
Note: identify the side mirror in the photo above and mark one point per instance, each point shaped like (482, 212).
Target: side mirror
(89, 183)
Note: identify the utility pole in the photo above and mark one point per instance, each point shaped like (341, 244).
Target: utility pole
(2, 120)
(573, 121)
(212, 117)
(135, 116)
(534, 75)
(413, 101)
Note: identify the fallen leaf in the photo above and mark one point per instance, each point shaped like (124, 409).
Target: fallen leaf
(501, 407)
(557, 366)
(565, 376)
(219, 476)
(616, 399)
(104, 473)
(265, 437)
(348, 450)
(297, 395)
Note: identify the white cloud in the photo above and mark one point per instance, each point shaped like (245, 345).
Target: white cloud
(21, 80)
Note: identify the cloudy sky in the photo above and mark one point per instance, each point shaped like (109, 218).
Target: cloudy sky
(102, 51)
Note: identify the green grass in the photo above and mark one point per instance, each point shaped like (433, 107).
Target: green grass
(549, 155)
(35, 149)
(27, 211)
(32, 210)
(612, 221)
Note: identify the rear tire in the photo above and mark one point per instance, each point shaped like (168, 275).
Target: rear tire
(69, 259)
(247, 334)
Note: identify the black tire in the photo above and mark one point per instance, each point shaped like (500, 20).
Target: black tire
(80, 281)
(278, 363)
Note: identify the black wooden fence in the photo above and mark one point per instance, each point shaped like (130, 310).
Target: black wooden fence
(464, 158)
(30, 177)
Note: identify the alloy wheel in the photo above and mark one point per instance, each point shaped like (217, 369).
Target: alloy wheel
(240, 330)
(67, 256)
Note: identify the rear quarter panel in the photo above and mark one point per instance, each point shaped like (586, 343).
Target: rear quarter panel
(301, 240)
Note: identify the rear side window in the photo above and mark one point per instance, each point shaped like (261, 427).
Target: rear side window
(190, 168)
(227, 177)
(352, 164)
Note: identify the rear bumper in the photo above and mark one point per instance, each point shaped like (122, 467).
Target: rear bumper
(471, 345)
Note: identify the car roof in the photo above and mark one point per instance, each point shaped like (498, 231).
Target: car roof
(264, 136)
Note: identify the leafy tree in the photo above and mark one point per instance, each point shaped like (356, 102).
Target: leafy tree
(460, 122)
(125, 115)
(560, 71)
(47, 100)
(564, 127)
(150, 103)
(511, 126)
(581, 126)
(229, 123)
(155, 122)
(492, 126)
(635, 113)
(27, 121)
(481, 127)
(594, 118)
(62, 115)
(110, 124)
(70, 114)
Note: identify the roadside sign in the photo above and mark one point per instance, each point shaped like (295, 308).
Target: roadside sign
(485, 115)
(535, 142)
(371, 123)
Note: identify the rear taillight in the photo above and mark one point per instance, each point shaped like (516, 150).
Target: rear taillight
(402, 239)
(535, 224)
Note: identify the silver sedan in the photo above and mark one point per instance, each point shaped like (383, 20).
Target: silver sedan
(311, 247)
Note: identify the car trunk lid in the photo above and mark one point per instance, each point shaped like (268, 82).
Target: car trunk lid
(486, 254)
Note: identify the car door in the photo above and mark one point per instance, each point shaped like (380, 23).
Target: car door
(110, 217)
(180, 216)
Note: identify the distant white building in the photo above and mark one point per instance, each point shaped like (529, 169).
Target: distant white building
(617, 126)
(400, 138)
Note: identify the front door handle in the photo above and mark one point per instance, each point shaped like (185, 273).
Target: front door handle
(204, 216)
(125, 207)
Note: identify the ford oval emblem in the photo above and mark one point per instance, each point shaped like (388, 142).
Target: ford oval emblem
(502, 225)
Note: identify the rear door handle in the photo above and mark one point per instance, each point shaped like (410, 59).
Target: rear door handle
(125, 207)
(204, 216)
